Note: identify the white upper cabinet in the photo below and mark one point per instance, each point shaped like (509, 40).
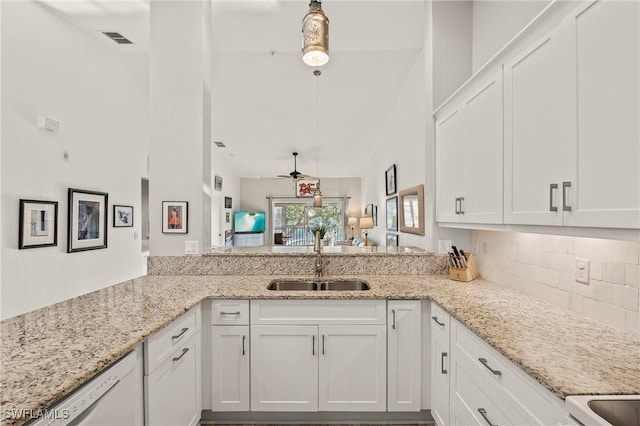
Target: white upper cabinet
(605, 167)
(469, 155)
(533, 123)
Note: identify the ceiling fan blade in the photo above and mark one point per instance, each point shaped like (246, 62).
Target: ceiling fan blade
(283, 176)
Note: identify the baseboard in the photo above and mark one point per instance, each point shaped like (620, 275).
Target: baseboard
(276, 417)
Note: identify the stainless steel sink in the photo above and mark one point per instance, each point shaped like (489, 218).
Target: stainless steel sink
(617, 411)
(318, 285)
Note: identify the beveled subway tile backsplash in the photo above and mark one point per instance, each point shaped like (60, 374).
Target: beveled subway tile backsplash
(544, 266)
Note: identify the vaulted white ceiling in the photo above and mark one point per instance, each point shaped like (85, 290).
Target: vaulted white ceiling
(264, 97)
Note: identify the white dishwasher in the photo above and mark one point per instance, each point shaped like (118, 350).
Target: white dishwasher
(114, 397)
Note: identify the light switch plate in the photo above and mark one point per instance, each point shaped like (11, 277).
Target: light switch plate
(190, 247)
(582, 270)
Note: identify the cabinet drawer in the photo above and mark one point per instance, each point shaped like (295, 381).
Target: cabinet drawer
(162, 344)
(318, 312)
(230, 312)
(440, 321)
(536, 404)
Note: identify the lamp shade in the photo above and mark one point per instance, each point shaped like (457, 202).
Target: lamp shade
(366, 222)
(352, 220)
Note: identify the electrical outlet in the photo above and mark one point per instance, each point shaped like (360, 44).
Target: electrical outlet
(190, 247)
(582, 270)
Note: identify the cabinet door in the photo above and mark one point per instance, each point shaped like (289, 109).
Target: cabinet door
(230, 368)
(403, 350)
(284, 368)
(535, 139)
(173, 388)
(605, 172)
(483, 165)
(449, 161)
(440, 379)
(353, 368)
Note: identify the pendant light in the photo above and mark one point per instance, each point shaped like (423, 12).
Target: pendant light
(315, 36)
(317, 195)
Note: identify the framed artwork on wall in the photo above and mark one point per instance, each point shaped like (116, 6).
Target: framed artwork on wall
(228, 202)
(390, 180)
(38, 225)
(392, 214)
(87, 220)
(392, 240)
(175, 217)
(217, 183)
(306, 187)
(122, 216)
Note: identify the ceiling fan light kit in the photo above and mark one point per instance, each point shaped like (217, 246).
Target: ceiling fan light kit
(315, 36)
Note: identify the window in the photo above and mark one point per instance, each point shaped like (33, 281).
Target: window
(292, 220)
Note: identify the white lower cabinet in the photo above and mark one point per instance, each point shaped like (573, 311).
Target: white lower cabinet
(440, 355)
(230, 368)
(404, 355)
(173, 391)
(284, 368)
(352, 368)
(310, 357)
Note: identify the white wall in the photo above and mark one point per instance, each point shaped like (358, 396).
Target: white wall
(253, 193)
(452, 47)
(100, 98)
(544, 266)
(495, 23)
(230, 188)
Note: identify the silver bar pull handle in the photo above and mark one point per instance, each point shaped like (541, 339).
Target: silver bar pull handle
(552, 187)
(184, 351)
(230, 313)
(461, 205)
(179, 335)
(483, 413)
(486, 364)
(442, 356)
(323, 352)
(441, 324)
(313, 345)
(565, 207)
(393, 324)
(458, 205)
(244, 338)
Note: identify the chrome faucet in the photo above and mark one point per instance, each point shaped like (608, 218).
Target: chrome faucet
(317, 247)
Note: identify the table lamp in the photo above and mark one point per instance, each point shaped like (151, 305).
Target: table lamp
(366, 223)
(351, 222)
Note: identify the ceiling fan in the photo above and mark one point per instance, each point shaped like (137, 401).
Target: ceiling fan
(295, 174)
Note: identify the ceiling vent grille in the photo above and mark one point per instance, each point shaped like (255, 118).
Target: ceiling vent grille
(219, 144)
(117, 37)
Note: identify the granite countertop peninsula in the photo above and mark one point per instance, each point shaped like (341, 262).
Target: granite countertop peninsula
(279, 250)
(47, 353)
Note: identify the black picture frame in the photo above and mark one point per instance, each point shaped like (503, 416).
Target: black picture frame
(175, 217)
(392, 240)
(392, 214)
(228, 202)
(87, 220)
(390, 180)
(38, 226)
(375, 215)
(122, 216)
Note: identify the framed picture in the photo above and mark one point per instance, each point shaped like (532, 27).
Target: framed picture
(175, 217)
(390, 180)
(38, 225)
(227, 202)
(375, 215)
(227, 217)
(392, 240)
(122, 216)
(217, 183)
(87, 220)
(368, 210)
(392, 214)
(306, 187)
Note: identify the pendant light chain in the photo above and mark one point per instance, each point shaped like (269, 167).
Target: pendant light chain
(317, 194)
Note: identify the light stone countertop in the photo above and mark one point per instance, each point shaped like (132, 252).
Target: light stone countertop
(47, 353)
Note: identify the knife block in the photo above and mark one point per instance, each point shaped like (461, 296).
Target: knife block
(467, 274)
